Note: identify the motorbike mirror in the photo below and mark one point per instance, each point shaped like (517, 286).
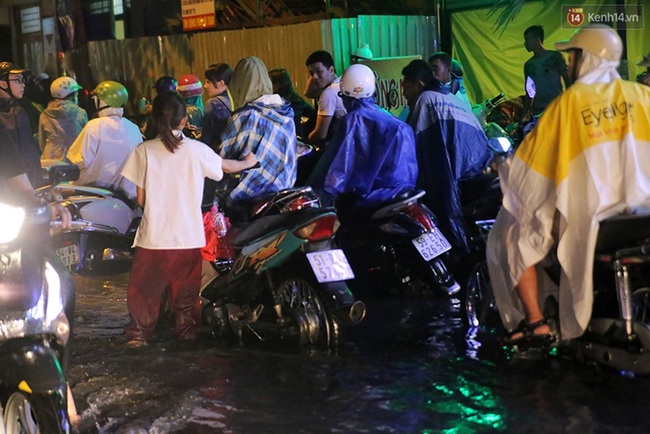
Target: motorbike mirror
(500, 145)
(59, 173)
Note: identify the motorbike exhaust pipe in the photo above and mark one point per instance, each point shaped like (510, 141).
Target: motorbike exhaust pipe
(353, 314)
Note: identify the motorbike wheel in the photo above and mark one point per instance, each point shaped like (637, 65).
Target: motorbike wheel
(310, 322)
(32, 414)
(480, 305)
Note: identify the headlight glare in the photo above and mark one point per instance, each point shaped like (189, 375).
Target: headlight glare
(11, 220)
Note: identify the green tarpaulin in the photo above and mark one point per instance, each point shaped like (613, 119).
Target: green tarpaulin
(493, 59)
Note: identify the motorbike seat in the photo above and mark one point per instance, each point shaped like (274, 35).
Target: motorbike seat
(621, 231)
(244, 233)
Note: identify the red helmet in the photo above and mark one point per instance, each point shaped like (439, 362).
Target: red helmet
(189, 85)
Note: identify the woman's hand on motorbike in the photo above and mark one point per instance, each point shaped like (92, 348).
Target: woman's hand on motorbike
(248, 162)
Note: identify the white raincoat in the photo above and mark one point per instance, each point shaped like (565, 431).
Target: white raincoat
(101, 149)
(587, 159)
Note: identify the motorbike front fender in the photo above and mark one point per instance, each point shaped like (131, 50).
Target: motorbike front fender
(32, 361)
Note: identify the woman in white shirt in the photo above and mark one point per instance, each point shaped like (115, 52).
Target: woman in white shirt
(168, 172)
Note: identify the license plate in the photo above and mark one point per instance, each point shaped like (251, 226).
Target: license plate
(431, 244)
(69, 255)
(330, 265)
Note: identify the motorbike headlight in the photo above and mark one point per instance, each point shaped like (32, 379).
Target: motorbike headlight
(55, 319)
(11, 220)
(47, 316)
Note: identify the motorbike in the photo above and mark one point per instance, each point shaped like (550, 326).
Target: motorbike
(618, 333)
(36, 314)
(103, 227)
(285, 279)
(397, 245)
(482, 110)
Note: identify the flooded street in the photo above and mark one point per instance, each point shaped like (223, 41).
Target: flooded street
(406, 369)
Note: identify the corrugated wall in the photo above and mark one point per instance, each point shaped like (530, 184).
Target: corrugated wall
(139, 62)
(278, 47)
(387, 36)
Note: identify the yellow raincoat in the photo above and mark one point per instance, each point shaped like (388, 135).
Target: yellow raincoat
(587, 159)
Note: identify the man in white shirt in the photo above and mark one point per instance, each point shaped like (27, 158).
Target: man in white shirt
(323, 77)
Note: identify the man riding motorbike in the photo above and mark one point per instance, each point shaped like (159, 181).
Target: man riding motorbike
(371, 157)
(587, 159)
(102, 147)
(450, 144)
(14, 121)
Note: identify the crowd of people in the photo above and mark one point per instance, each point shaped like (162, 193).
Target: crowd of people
(255, 117)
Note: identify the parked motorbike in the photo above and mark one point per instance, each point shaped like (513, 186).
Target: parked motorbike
(103, 227)
(618, 334)
(286, 279)
(482, 110)
(397, 246)
(36, 314)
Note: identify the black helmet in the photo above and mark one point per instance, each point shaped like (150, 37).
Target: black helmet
(7, 68)
(165, 83)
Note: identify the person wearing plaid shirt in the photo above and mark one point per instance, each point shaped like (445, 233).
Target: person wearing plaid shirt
(263, 124)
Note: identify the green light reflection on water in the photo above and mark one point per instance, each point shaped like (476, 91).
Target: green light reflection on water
(475, 405)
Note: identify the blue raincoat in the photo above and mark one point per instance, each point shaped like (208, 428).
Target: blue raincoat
(371, 155)
(450, 145)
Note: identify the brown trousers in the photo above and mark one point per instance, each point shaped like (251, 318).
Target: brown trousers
(154, 271)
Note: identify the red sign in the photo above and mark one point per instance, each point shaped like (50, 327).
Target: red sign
(197, 14)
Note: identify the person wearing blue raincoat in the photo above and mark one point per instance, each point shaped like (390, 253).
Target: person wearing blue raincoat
(371, 156)
(450, 145)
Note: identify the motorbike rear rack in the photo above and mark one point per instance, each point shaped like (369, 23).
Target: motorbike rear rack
(401, 202)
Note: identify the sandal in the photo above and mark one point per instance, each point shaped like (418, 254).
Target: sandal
(528, 337)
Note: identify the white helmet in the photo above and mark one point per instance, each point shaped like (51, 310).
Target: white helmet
(63, 86)
(598, 39)
(358, 81)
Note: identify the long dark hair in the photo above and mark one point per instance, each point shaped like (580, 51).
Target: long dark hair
(167, 113)
(282, 78)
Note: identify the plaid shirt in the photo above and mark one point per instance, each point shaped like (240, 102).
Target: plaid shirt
(268, 131)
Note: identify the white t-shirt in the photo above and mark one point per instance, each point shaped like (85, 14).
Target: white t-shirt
(102, 148)
(329, 101)
(173, 183)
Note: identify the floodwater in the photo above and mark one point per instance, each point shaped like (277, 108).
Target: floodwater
(408, 368)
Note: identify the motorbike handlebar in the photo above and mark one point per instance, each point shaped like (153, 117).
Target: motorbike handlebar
(496, 99)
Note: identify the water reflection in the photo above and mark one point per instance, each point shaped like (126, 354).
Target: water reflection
(410, 367)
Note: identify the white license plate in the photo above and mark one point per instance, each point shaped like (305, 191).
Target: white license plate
(69, 255)
(431, 244)
(330, 265)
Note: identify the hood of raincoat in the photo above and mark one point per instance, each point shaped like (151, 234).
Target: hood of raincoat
(250, 80)
(111, 111)
(371, 155)
(60, 108)
(272, 107)
(597, 70)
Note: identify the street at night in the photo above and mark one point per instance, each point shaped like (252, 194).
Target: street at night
(407, 368)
